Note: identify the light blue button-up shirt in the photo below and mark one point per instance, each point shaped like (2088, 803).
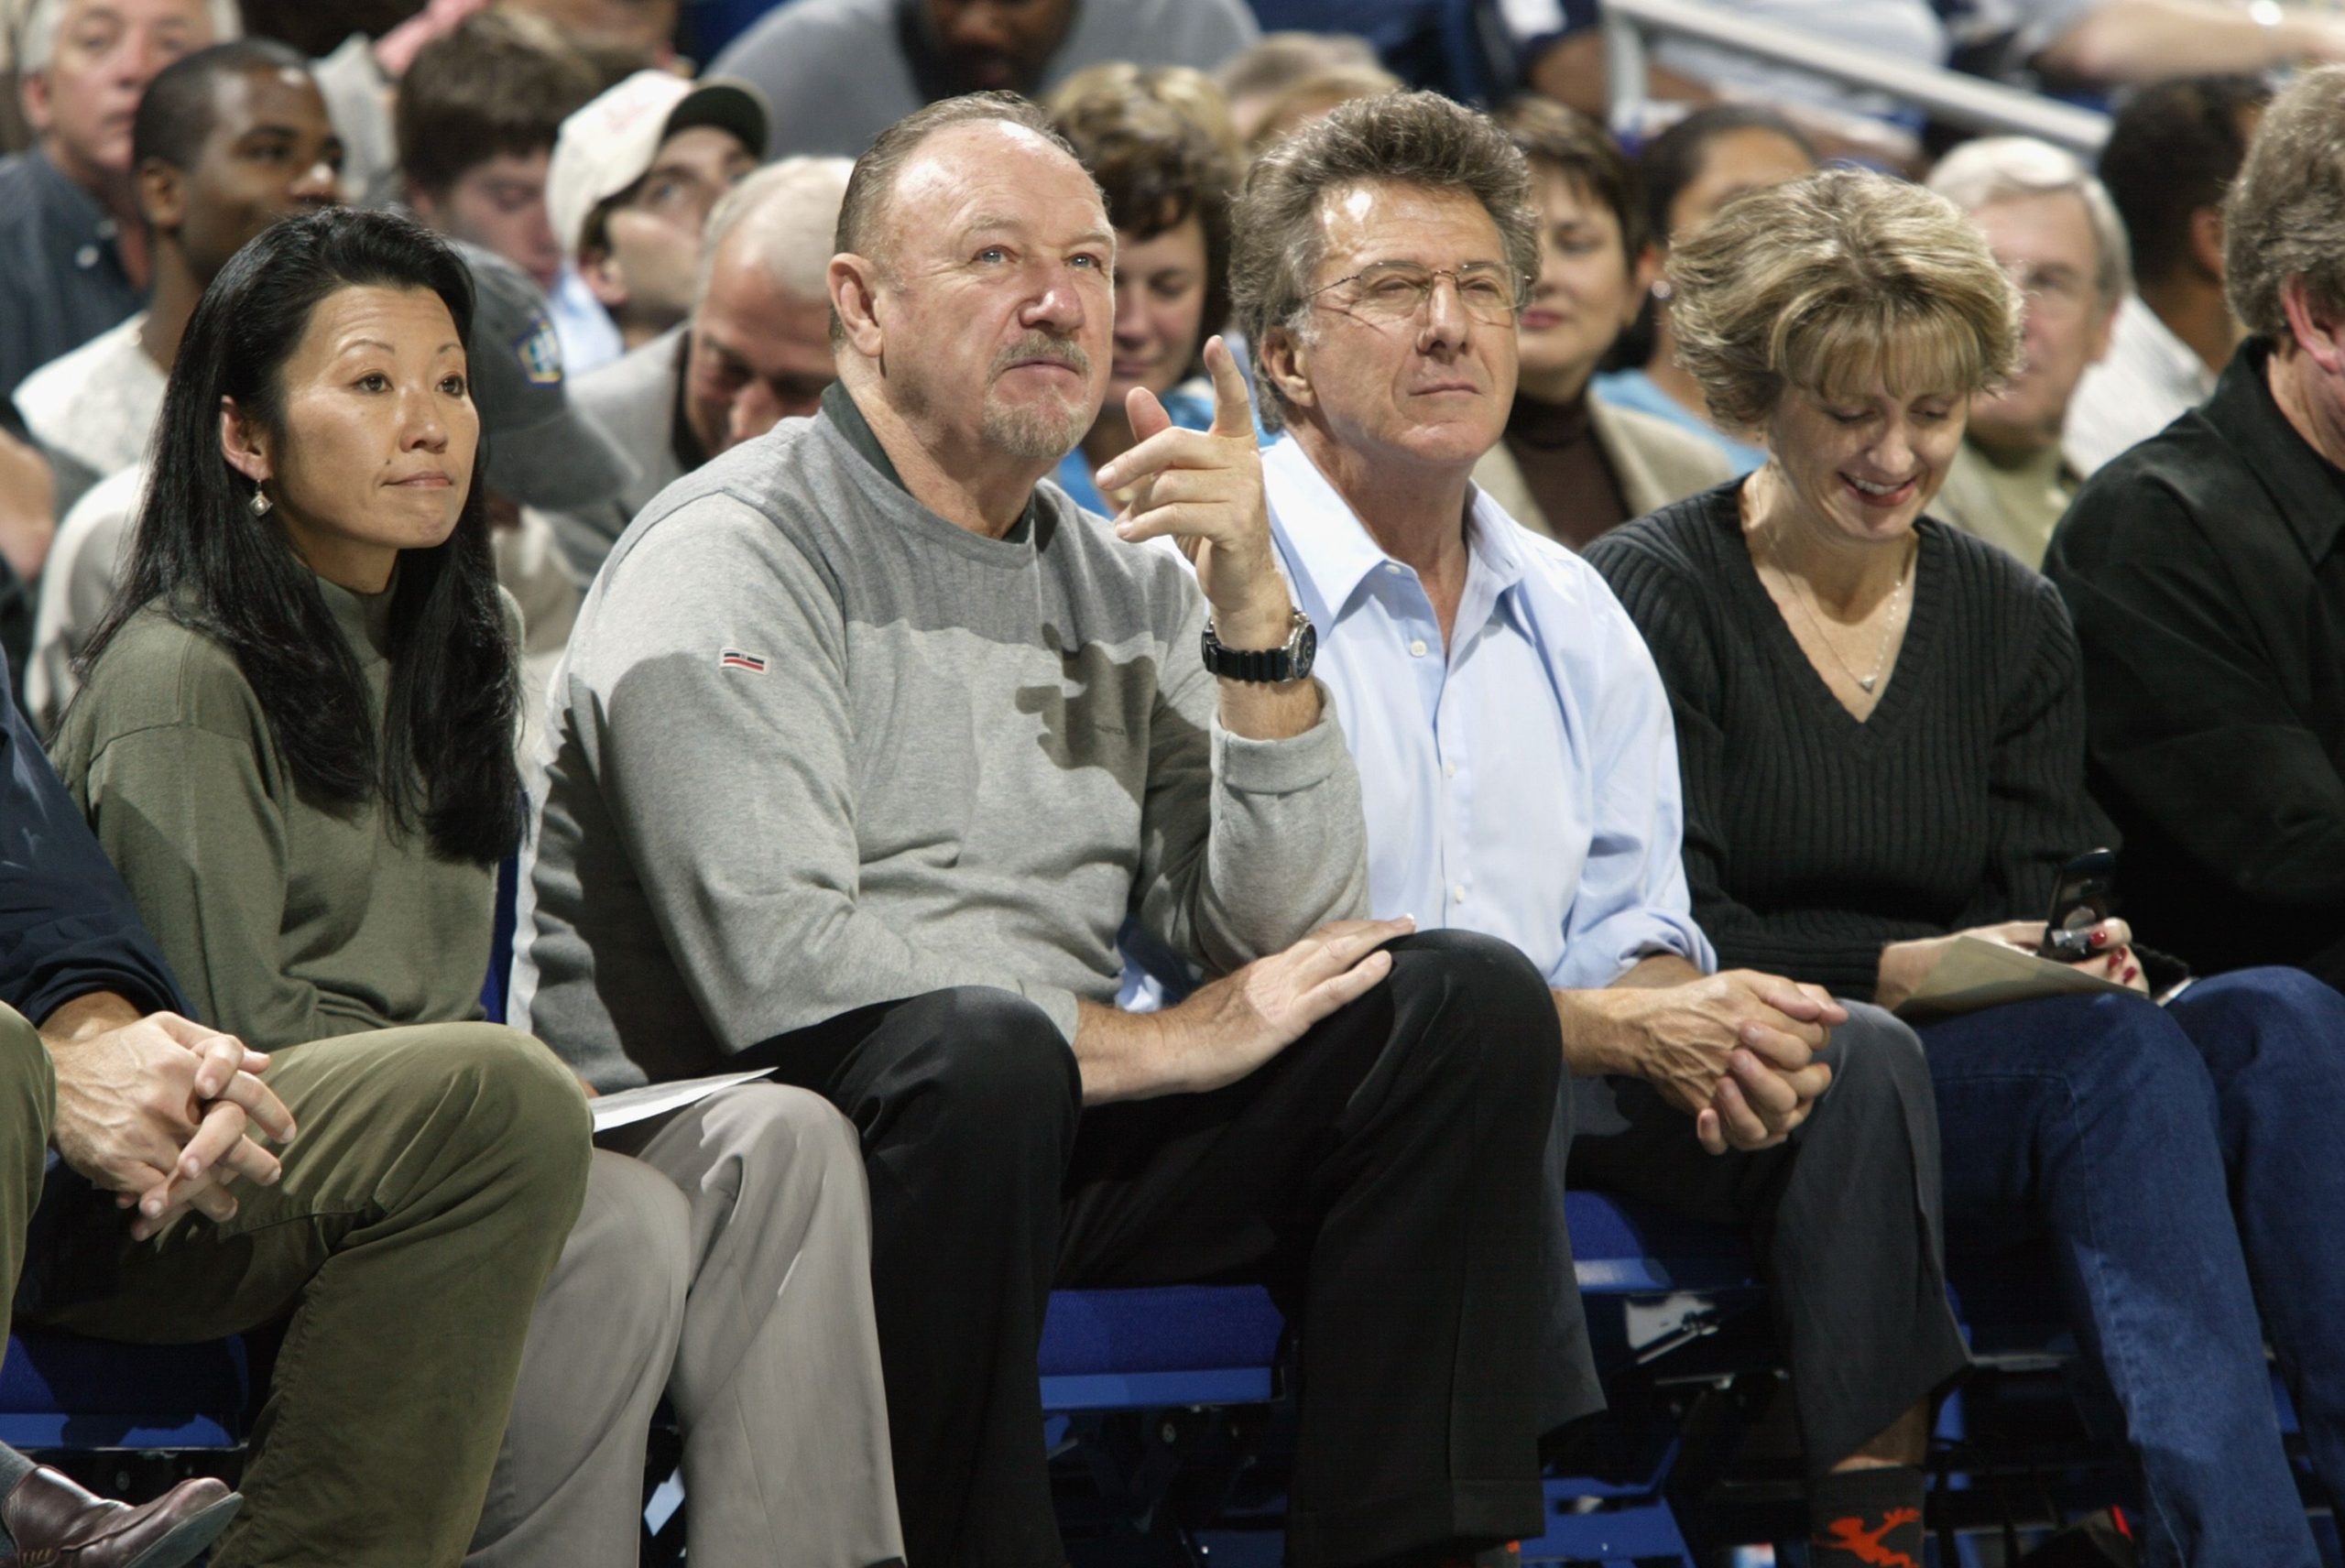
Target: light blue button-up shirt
(1520, 781)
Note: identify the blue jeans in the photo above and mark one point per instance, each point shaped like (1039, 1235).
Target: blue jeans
(2184, 1164)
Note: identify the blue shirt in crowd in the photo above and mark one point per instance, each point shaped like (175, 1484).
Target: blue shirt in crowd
(1522, 782)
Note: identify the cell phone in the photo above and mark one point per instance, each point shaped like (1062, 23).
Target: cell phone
(2081, 900)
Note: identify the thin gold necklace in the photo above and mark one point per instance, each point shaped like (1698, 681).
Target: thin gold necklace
(1803, 597)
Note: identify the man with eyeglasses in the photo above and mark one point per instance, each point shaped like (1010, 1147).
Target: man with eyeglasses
(1519, 767)
(868, 744)
(2057, 233)
(634, 177)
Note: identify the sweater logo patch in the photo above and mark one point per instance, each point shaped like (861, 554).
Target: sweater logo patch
(734, 658)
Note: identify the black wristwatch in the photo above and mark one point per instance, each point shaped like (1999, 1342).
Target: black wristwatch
(1291, 662)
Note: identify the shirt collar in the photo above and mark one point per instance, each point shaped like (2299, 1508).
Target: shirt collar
(2179, 361)
(364, 619)
(2306, 485)
(86, 215)
(1331, 552)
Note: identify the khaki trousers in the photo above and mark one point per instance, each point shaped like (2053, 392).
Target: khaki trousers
(425, 1197)
(724, 1259)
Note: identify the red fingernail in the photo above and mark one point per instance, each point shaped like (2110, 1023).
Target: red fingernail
(2100, 938)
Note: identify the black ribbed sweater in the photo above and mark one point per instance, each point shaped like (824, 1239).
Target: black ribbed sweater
(1812, 840)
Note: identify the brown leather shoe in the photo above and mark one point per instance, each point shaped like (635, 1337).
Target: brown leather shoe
(56, 1524)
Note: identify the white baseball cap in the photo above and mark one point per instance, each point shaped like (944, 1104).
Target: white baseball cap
(610, 144)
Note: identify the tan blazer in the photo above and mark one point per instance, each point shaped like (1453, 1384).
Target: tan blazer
(1655, 463)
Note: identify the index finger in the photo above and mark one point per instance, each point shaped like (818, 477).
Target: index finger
(1795, 1001)
(1779, 1048)
(196, 1037)
(260, 1102)
(1346, 942)
(220, 1059)
(1831, 1009)
(1384, 929)
(222, 1139)
(1233, 406)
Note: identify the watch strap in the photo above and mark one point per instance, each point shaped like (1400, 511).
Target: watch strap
(1266, 665)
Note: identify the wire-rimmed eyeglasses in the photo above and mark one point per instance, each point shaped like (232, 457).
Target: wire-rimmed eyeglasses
(1397, 290)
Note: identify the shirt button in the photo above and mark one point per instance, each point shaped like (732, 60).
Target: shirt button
(1458, 894)
(1449, 770)
(1417, 648)
(86, 258)
(1395, 568)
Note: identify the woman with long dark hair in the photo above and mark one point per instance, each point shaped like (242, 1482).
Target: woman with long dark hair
(313, 553)
(295, 738)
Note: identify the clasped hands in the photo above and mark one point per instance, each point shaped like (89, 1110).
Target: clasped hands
(161, 1111)
(1736, 1052)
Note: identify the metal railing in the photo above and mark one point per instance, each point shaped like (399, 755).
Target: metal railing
(1950, 96)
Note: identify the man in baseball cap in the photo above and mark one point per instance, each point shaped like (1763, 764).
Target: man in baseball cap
(635, 174)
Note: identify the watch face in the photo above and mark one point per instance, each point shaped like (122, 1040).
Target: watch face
(1306, 649)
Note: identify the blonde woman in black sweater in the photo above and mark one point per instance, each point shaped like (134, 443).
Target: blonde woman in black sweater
(1880, 723)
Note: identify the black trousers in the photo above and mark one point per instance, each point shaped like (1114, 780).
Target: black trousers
(1382, 1175)
(1844, 1216)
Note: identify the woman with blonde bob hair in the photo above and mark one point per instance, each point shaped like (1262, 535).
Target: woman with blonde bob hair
(1880, 722)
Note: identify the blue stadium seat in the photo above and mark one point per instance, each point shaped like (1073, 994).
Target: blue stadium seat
(61, 1391)
(1175, 1344)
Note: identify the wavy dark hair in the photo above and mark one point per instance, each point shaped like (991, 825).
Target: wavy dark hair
(1156, 168)
(443, 757)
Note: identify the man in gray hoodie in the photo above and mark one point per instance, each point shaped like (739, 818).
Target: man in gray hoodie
(868, 744)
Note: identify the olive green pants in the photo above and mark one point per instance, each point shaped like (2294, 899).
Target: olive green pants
(432, 1178)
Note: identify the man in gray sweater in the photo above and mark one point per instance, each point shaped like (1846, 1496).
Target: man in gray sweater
(866, 746)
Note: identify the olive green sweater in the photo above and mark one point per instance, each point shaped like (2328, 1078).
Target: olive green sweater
(285, 920)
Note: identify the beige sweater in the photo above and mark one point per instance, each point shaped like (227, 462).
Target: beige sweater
(1655, 461)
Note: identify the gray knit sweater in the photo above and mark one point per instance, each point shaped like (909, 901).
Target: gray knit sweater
(814, 747)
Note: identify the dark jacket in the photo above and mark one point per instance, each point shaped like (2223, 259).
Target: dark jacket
(66, 924)
(62, 278)
(2203, 573)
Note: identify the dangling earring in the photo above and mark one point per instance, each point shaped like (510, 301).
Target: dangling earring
(260, 502)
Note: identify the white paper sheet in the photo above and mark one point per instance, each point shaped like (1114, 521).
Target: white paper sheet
(630, 1105)
(1976, 974)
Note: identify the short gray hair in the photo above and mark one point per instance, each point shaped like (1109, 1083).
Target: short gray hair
(2284, 215)
(871, 188)
(36, 39)
(1403, 138)
(2009, 168)
(787, 213)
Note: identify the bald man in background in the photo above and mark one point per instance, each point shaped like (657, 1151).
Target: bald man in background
(755, 350)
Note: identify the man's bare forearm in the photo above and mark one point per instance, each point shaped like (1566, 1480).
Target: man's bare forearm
(1657, 971)
(92, 1013)
(1258, 711)
(2134, 40)
(1597, 1040)
(1120, 1055)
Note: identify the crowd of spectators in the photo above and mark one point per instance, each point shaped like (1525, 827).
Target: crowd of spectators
(1201, 665)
